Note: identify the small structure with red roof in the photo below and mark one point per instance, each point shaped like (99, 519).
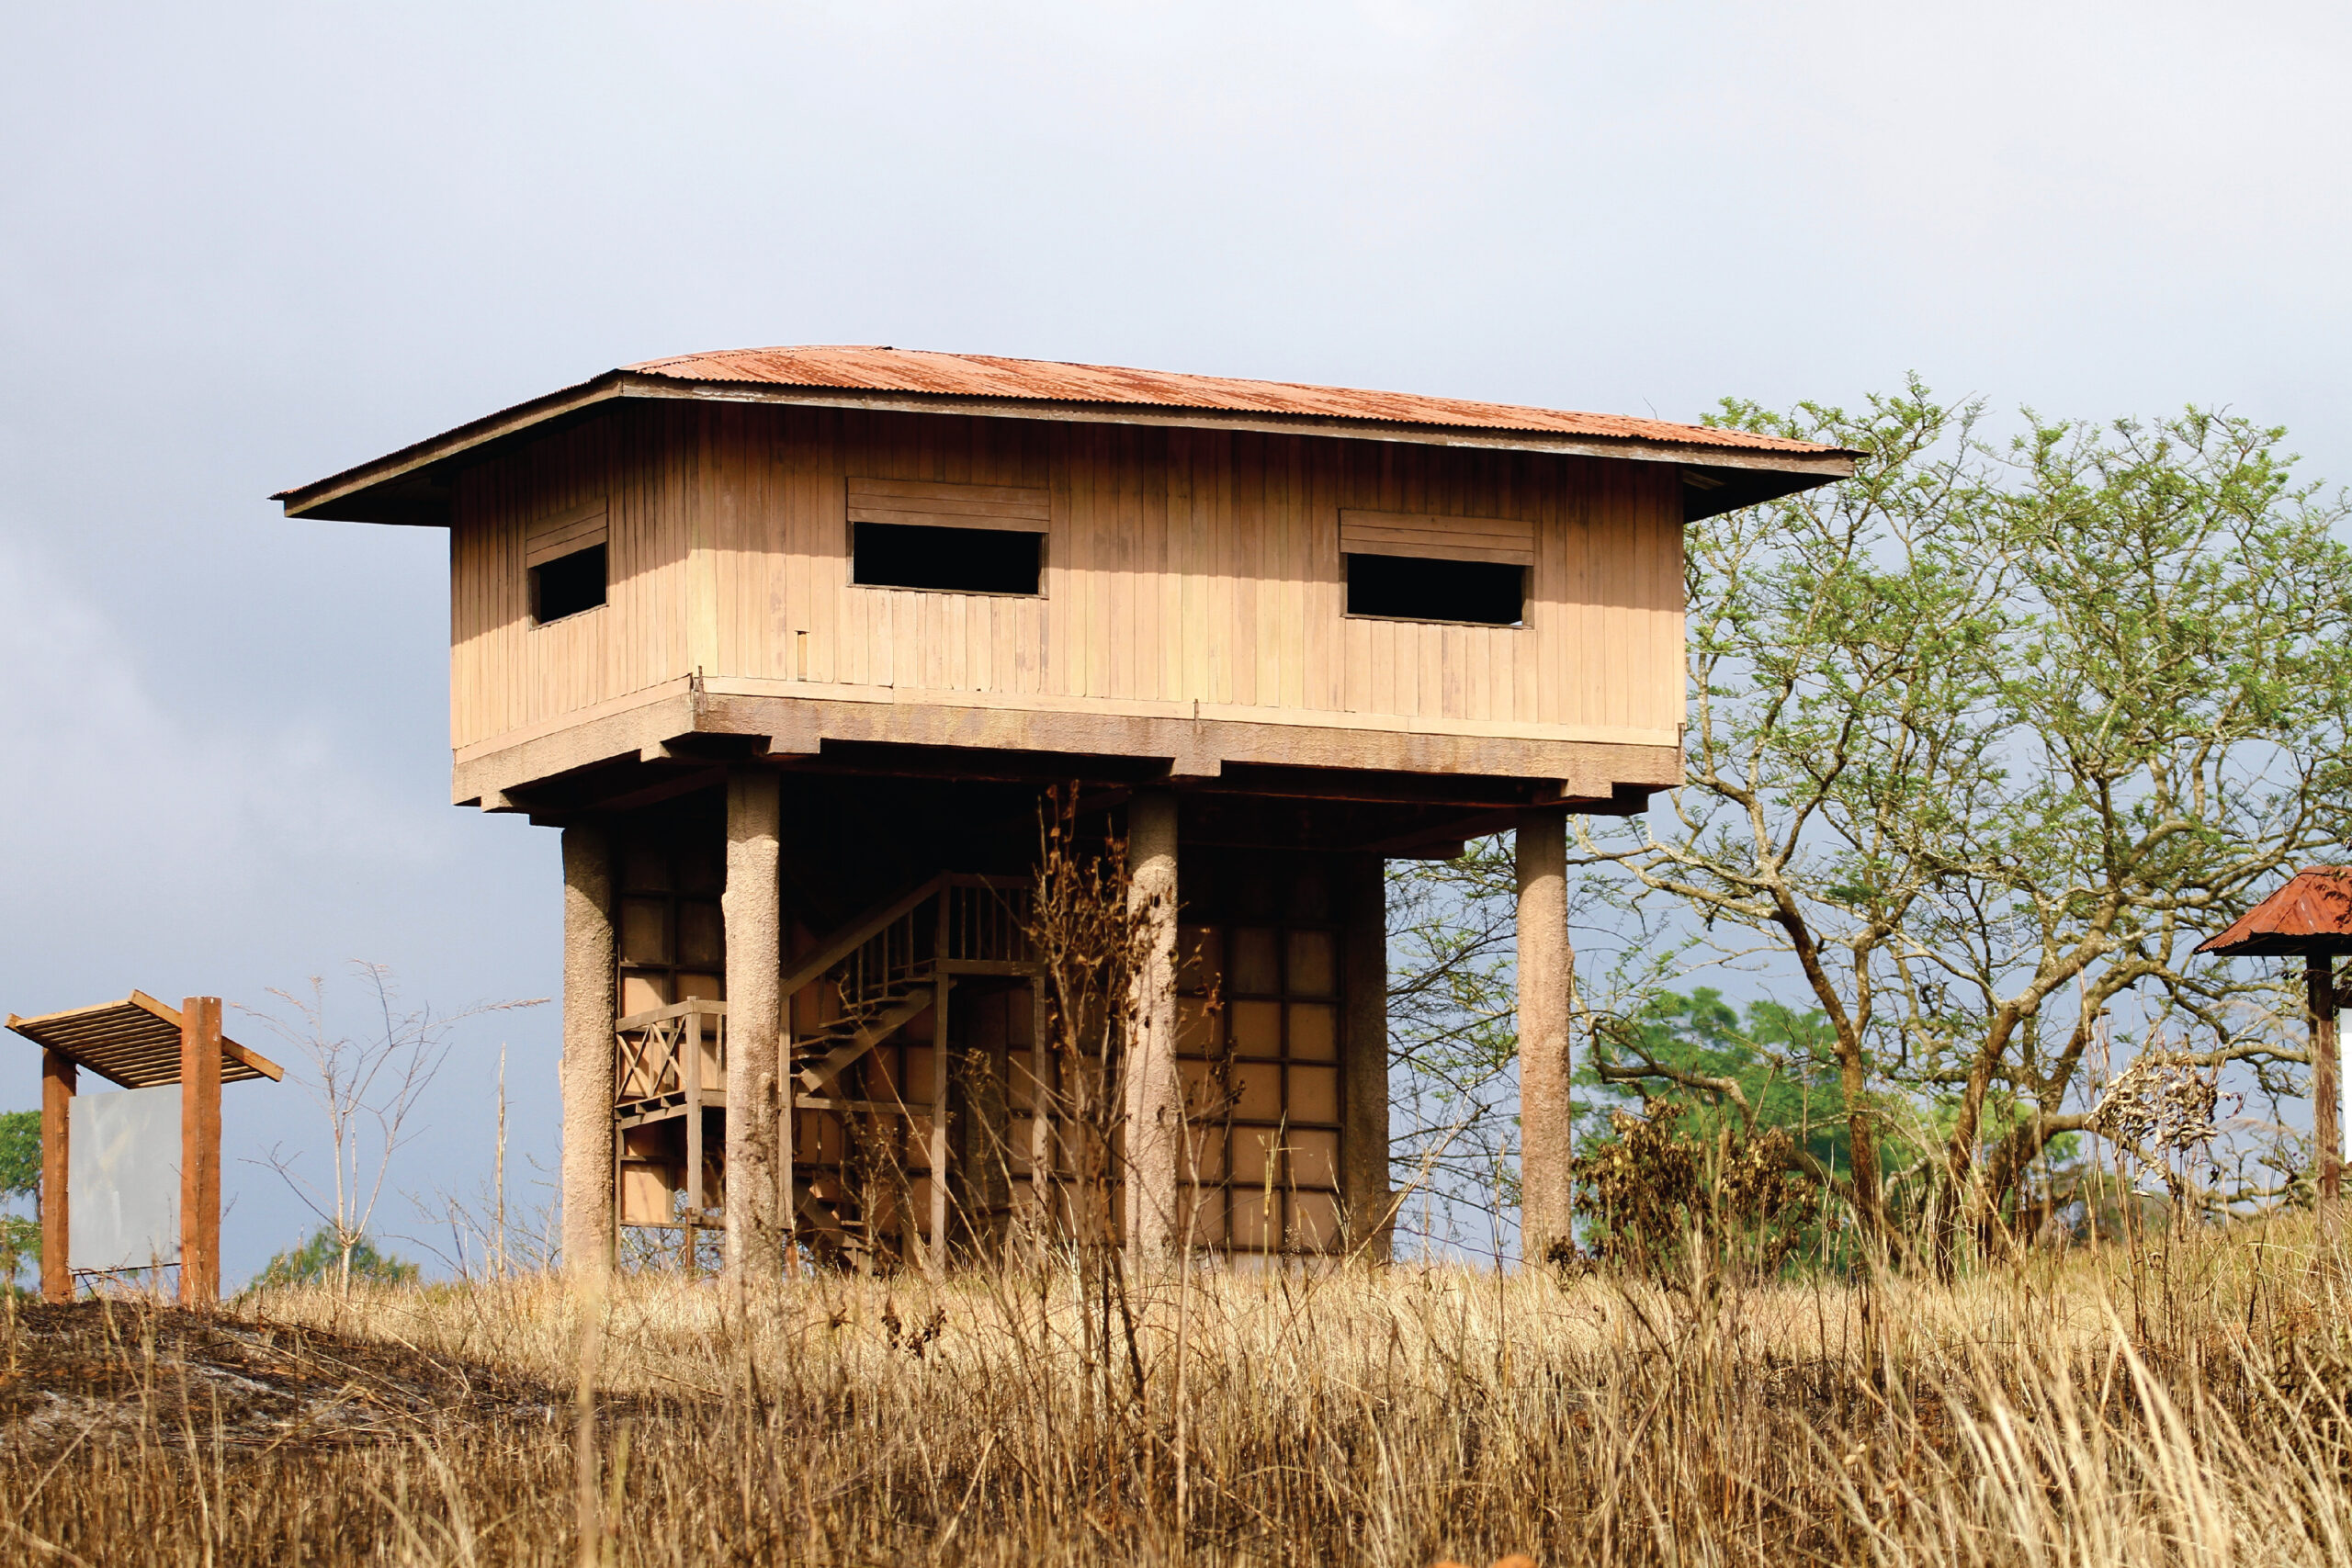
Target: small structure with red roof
(2309, 918)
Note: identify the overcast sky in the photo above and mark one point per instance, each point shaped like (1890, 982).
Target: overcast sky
(244, 246)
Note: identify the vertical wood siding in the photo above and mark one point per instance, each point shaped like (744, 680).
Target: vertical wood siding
(1181, 566)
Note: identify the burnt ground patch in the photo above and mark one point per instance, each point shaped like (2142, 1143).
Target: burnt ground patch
(108, 1371)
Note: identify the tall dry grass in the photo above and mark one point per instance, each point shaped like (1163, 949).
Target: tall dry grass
(2180, 1402)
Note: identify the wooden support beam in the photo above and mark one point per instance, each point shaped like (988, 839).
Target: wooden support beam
(697, 1202)
(1155, 1090)
(1041, 1114)
(942, 1078)
(787, 1127)
(1365, 1204)
(58, 1080)
(201, 1151)
(2319, 975)
(591, 1140)
(1546, 975)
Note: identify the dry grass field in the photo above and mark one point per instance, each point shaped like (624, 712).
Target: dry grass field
(2181, 1403)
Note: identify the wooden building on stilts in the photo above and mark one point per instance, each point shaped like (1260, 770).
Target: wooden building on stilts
(789, 643)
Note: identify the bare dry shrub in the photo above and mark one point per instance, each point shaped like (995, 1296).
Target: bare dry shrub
(1661, 1205)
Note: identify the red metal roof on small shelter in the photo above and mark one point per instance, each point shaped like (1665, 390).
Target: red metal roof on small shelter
(878, 369)
(2311, 914)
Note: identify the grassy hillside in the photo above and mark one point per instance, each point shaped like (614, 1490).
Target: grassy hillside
(2184, 1403)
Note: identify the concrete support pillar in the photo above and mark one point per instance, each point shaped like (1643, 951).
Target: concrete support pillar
(1365, 1205)
(2319, 975)
(1155, 1091)
(58, 1077)
(1546, 974)
(753, 910)
(590, 1155)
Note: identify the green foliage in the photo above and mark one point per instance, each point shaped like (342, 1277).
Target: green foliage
(320, 1261)
(19, 1178)
(19, 1246)
(1775, 1067)
(1452, 1024)
(1983, 742)
(19, 1154)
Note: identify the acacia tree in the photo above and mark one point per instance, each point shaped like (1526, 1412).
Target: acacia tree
(1981, 742)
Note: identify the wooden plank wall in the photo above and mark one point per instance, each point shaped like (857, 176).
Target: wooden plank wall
(507, 675)
(1181, 566)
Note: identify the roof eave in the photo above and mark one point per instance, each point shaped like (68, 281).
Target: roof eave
(397, 488)
(370, 491)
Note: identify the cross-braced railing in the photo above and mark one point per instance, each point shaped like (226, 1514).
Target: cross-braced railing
(669, 1055)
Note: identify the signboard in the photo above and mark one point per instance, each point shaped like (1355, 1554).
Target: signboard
(123, 1180)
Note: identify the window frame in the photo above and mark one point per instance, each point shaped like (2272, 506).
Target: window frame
(928, 503)
(558, 536)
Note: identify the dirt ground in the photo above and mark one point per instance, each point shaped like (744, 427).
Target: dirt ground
(107, 1371)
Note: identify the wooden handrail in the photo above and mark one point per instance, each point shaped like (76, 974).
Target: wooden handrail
(706, 1005)
(813, 966)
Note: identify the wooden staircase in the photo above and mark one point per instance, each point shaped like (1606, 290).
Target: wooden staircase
(871, 979)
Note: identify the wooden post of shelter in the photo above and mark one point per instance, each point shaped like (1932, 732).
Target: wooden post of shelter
(2309, 918)
(2327, 1067)
(199, 1151)
(57, 1083)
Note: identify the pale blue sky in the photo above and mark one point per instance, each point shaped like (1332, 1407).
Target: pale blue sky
(242, 246)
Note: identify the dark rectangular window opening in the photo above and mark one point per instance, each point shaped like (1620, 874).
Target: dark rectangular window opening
(961, 560)
(1412, 588)
(567, 584)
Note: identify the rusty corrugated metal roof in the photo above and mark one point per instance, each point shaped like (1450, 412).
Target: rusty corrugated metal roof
(1720, 469)
(882, 369)
(2311, 914)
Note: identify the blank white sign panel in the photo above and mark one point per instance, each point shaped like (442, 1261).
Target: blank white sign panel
(122, 1178)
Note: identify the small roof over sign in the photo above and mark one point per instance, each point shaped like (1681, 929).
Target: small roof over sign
(2311, 914)
(134, 1042)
